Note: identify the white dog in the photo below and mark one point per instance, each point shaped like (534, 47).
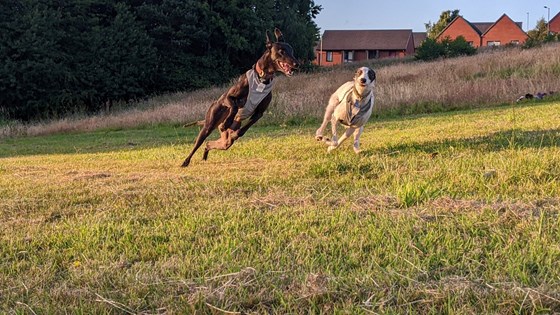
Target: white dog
(351, 105)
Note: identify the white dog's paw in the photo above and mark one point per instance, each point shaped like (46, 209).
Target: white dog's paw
(357, 151)
(319, 135)
(331, 143)
(330, 148)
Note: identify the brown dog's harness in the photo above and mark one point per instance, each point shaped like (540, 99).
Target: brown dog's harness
(258, 90)
(355, 110)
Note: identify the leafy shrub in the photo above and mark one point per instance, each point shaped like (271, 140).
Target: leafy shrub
(431, 49)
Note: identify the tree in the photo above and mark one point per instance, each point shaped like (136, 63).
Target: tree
(430, 49)
(33, 67)
(434, 29)
(458, 47)
(539, 35)
(72, 56)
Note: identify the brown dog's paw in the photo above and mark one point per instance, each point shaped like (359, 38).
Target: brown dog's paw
(233, 135)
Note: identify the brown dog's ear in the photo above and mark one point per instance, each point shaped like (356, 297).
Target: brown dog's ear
(268, 41)
(279, 35)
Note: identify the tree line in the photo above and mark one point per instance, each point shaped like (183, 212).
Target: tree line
(63, 56)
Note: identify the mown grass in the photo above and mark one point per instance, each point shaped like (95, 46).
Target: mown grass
(445, 213)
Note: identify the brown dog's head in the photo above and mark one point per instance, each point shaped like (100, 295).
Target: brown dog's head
(281, 54)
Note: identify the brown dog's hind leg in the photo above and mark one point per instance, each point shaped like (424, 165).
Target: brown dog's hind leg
(215, 115)
(223, 143)
(226, 140)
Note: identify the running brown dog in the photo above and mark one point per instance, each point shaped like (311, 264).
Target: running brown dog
(247, 99)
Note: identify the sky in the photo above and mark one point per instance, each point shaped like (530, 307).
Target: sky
(413, 14)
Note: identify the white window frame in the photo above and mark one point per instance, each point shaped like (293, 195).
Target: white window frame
(348, 56)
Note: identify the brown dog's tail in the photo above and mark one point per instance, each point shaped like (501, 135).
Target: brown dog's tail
(198, 123)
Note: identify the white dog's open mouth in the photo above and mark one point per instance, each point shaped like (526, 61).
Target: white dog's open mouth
(286, 68)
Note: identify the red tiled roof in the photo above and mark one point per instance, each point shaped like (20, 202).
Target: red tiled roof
(366, 39)
(481, 27)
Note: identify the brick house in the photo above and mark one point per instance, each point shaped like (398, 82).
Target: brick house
(503, 31)
(554, 24)
(342, 46)
(419, 38)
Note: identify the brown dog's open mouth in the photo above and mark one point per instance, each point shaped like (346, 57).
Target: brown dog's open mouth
(286, 68)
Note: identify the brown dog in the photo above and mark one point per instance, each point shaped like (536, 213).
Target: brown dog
(248, 98)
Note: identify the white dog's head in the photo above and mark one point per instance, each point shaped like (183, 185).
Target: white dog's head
(364, 80)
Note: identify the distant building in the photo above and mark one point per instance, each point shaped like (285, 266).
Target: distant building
(555, 24)
(419, 38)
(342, 46)
(503, 31)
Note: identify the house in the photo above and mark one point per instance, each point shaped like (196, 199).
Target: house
(503, 31)
(419, 38)
(342, 46)
(554, 24)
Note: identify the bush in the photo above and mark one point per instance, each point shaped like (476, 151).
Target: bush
(431, 49)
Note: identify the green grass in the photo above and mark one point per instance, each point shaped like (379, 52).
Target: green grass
(446, 213)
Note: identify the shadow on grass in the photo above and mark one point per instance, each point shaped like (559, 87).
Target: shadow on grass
(498, 141)
(120, 140)
(168, 135)
(98, 141)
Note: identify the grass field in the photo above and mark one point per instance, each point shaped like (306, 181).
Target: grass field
(448, 213)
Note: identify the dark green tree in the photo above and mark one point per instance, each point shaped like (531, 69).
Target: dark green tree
(430, 50)
(33, 64)
(458, 47)
(60, 56)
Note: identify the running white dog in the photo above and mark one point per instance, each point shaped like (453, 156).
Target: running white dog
(351, 105)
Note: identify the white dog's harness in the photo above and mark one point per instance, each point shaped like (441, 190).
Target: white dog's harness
(258, 90)
(356, 109)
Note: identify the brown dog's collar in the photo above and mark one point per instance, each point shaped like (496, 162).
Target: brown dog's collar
(261, 74)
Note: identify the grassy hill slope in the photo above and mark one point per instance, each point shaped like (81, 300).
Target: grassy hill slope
(402, 87)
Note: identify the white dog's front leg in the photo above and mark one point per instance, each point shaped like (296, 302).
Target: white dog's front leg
(344, 136)
(357, 135)
(333, 143)
(333, 102)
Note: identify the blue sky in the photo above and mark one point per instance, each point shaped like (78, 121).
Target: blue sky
(412, 14)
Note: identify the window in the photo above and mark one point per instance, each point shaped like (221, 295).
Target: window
(329, 56)
(515, 42)
(348, 56)
(373, 54)
(494, 43)
(471, 43)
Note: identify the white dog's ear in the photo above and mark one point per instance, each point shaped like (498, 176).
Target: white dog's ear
(371, 75)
